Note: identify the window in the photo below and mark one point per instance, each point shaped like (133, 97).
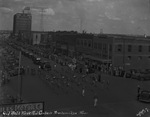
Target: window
(140, 48)
(129, 57)
(82, 42)
(104, 47)
(89, 43)
(119, 48)
(36, 36)
(149, 48)
(110, 48)
(140, 57)
(78, 42)
(95, 45)
(85, 43)
(99, 46)
(129, 48)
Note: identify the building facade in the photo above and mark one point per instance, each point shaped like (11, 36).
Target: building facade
(66, 43)
(126, 51)
(22, 22)
(84, 45)
(131, 52)
(39, 38)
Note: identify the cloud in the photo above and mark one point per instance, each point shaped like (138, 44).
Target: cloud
(47, 11)
(5, 9)
(124, 15)
(18, 0)
(94, 0)
(111, 17)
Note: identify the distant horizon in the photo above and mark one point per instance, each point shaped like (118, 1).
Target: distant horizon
(88, 32)
(113, 16)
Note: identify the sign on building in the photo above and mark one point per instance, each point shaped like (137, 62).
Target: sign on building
(22, 109)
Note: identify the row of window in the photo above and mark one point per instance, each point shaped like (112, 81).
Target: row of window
(139, 58)
(103, 46)
(102, 56)
(85, 43)
(100, 46)
(129, 48)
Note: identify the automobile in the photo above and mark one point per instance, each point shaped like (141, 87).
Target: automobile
(34, 57)
(12, 62)
(36, 60)
(8, 67)
(45, 65)
(91, 70)
(128, 74)
(15, 71)
(144, 96)
(143, 76)
(46, 56)
(30, 55)
(26, 53)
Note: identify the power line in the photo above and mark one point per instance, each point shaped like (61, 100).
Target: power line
(41, 23)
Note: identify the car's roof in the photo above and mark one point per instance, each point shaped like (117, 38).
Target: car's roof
(145, 91)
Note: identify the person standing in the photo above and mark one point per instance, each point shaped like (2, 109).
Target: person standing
(95, 100)
(28, 69)
(39, 70)
(138, 89)
(99, 78)
(83, 92)
(80, 70)
(107, 84)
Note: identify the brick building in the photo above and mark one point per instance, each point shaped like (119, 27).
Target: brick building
(127, 51)
(131, 52)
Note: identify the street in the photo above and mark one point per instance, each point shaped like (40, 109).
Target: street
(118, 100)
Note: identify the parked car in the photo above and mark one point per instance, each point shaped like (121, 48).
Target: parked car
(14, 72)
(45, 65)
(128, 74)
(36, 60)
(144, 96)
(143, 76)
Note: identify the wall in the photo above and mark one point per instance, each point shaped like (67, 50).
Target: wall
(36, 38)
(132, 59)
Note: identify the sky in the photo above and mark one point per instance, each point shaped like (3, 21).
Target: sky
(93, 16)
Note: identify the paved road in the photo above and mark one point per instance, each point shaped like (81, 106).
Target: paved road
(119, 100)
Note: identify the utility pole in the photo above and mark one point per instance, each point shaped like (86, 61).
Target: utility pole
(124, 54)
(42, 16)
(19, 78)
(81, 24)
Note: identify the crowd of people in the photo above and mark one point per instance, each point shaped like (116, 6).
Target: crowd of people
(74, 75)
(68, 77)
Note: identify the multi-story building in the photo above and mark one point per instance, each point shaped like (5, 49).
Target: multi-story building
(84, 45)
(39, 38)
(131, 52)
(22, 22)
(126, 51)
(66, 42)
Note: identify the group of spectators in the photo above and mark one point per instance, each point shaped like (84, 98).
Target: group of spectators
(79, 76)
(65, 80)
